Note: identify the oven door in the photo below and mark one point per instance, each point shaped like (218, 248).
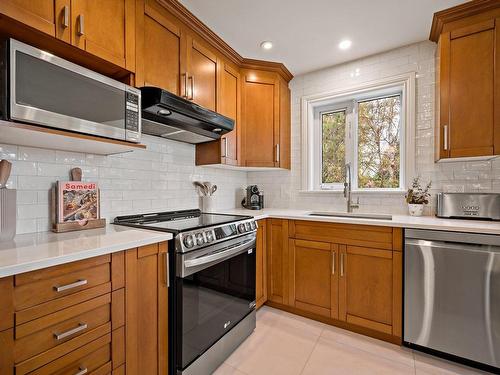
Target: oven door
(47, 90)
(215, 292)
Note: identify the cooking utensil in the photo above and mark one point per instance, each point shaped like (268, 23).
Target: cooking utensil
(76, 174)
(202, 187)
(214, 189)
(5, 168)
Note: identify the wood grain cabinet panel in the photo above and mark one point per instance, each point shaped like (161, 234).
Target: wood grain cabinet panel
(261, 265)
(105, 29)
(39, 14)
(146, 295)
(277, 260)
(366, 287)
(314, 277)
(160, 52)
(467, 89)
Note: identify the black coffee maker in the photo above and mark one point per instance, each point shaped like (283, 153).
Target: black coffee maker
(254, 199)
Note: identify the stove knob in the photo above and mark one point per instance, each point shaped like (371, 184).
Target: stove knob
(209, 235)
(241, 228)
(252, 225)
(248, 226)
(188, 241)
(199, 239)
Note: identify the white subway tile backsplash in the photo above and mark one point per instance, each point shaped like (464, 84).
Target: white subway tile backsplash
(36, 154)
(282, 188)
(8, 152)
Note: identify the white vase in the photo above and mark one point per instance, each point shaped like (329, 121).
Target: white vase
(415, 209)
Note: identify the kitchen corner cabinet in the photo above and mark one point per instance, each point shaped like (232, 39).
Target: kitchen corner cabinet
(147, 310)
(265, 107)
(467, 83)
(80, 22)
(260, 266)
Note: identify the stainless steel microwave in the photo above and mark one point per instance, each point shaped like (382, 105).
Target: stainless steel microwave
(40, 88)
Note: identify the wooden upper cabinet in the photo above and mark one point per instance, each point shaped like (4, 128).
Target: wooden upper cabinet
(105, 29)
(229, 105)
(200, 79)
(366, 287)
(314, 277)
(160, 60)
(260, 115)
(467, 75)
(39, 14)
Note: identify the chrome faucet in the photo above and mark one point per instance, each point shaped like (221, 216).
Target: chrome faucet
(347, 189)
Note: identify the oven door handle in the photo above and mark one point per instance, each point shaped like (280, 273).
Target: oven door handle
(222, 255)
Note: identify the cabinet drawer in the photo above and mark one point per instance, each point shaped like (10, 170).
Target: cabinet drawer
(56, 358)
(89, 359)
(357, 235)
(59, 285)
(41, 334)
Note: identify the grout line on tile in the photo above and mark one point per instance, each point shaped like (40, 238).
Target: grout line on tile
(312, 351)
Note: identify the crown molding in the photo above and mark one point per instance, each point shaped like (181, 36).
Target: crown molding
(191, 21)
(458, 12)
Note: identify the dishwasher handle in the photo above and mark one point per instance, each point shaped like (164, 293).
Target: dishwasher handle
(409, 242)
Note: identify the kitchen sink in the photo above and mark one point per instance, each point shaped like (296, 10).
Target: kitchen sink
(352, 215)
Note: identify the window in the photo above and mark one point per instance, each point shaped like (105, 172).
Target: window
(367, 129)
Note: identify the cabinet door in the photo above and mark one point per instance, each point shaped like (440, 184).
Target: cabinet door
(229, 99)
(39, 14)
(161, 51)
(314, 277)
(147, 310)
(277, 261)
(285, 130)
(366, 287)
(201, 85)
(260, 119)
(105, 29)
(261, 277)
(466, 85)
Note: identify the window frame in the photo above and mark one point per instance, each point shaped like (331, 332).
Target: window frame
(315, 105)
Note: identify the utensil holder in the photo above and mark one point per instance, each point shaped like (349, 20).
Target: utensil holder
(7, 214)
(207, 204)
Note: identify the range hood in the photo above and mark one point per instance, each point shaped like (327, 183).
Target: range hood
(169, 116)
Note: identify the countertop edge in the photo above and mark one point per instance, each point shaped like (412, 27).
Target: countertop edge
(15, 269)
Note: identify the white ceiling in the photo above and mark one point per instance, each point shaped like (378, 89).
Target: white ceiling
(306, 33)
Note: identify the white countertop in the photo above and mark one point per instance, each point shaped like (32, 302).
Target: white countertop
(402, 221)
(28, 252)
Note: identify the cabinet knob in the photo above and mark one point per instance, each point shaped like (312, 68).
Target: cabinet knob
(65, 17)
(445, 137)
(81, 25)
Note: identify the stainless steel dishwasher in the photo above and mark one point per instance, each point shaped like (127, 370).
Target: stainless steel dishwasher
(452, 294)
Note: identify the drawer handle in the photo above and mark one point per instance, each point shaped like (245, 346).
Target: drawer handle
(82, 371)
(81, 327)
(76, 284)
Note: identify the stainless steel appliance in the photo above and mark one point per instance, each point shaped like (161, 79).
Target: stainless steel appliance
(40, 88)
(170, 116)
(212, 302)
(452, 295)
(481, 206)
(254, 199)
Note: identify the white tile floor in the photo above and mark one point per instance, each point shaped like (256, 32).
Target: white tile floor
(287, 344)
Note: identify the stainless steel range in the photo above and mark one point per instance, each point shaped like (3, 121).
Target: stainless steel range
(212, 301)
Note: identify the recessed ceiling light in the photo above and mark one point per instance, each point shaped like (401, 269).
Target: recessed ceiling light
(345, 44)
(266, 45)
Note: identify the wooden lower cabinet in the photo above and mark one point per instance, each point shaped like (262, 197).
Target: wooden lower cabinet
(102, 315)
(327, 275)
(147, 310)
(314, 277)
(277, 260)
(366, 287)
(260, 265)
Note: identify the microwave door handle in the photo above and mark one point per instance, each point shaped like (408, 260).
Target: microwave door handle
(219, 256)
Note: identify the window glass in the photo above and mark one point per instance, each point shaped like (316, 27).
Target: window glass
(333, 154)
(379, 143)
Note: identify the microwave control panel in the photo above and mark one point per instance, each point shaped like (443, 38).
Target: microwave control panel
(132, 117)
